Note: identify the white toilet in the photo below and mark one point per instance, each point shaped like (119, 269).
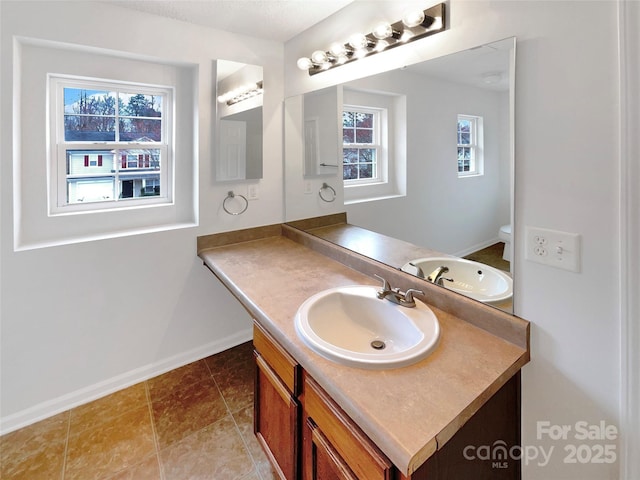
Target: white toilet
(505, 235)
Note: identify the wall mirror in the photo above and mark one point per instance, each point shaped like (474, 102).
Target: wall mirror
(451, 151)
(238, 121)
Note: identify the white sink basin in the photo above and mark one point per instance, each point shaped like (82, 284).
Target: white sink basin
(351, 326)
(473, 279)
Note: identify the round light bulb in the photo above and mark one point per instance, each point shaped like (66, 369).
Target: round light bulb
(341, 59)
(318, 57)
(337, 49)
(406, 36)
(382, 31)
(358, 40)
(413, 19)
(381, 45)
(304, 63)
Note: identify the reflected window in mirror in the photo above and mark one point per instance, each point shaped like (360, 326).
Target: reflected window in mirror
(373, 144)
(470, 142)
(362, 152)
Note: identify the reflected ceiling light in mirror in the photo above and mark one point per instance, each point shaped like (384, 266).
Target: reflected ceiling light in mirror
(413, 26)
(241, 93)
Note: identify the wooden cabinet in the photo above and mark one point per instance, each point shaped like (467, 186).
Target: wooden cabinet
(308, 436)
(276, 407)
(333, 446)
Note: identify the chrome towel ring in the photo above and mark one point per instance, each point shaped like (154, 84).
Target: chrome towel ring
(326, 186)
(231, 195)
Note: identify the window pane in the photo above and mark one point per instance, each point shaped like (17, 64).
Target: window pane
(350, 155)
(90, 189)
(347, 119)
(140, 130)
(364, 136)
(139, 158)
(365, 170)
(139, 185)
(91, 102)
(348, 135)
(464, 138)
(350, 172)
(89, 128)
(89, 162)
(139, 105)
(364, 120)
(368, 155)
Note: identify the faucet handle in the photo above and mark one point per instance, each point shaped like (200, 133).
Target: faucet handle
(408, 295)
(386, 286)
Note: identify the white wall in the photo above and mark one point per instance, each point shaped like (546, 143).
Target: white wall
(567, 171)
(80, 320)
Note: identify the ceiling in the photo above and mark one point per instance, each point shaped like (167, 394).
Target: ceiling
(278, 20)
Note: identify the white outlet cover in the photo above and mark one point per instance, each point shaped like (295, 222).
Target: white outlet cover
(554, 248)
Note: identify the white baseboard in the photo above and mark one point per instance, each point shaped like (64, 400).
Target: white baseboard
(93, 392)
(475, 248)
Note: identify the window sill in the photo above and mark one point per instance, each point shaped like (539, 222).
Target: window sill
(373, 199)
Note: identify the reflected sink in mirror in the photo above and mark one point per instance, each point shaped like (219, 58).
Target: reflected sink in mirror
(473, 279)
(351, 326)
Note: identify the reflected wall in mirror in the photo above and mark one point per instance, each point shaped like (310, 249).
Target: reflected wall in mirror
(321, 133)
(458, 135)
(239, 123)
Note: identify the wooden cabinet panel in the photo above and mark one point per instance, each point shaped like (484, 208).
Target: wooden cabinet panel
(283, 364)
(276, 417)
(323, 460)
(363, 458)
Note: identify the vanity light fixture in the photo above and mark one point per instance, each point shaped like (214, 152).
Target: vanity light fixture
(241, 93)
(413, 26)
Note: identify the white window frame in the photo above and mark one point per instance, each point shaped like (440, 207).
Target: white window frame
(58, 146)
(476, 164)
(380, 116)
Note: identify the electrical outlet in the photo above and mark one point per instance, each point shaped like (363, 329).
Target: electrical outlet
(554, 248)
(252, 193)
(307, 187)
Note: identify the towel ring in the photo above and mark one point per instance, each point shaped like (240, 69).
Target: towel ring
(326, 186)
(230, 194)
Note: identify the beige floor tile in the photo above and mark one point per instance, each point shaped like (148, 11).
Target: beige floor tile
(215, 452)
(45, 464)
(148, 469)
(231, 358)
(34, 438)
(187, 411)
(236, 386)
(111, 447)
(107, 408)
(244, 421)
(178, 379)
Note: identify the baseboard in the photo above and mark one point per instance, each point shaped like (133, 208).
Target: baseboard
(475, 248)
(93, 392)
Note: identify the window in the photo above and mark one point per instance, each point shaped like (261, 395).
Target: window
(110, 144)
(470, 160)
(362, 153)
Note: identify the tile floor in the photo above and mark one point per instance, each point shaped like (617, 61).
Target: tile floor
(491, 256)
(195, 422)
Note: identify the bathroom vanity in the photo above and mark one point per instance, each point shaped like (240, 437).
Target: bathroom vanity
(318, 419)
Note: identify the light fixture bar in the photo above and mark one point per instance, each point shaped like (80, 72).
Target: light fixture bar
(414, 26)
(242, 93)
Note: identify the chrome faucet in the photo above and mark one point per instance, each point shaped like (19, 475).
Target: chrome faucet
(397, 296)
(419, 271)
(437, 276)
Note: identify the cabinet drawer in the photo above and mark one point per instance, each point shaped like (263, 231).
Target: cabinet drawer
(283, 364)
(363, 458)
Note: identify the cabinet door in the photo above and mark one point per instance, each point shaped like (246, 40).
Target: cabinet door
(324, 463)
(351, 446)
(276, 414)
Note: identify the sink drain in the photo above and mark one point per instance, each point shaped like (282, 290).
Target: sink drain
(378, 344)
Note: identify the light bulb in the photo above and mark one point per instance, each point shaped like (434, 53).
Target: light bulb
(358, 41)
(304, 63)
(337, 49)
(341, 59)
(382, 31)
(360, 53)
(381, 45)
(318, 57)
(413, 19)
(406, 36)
